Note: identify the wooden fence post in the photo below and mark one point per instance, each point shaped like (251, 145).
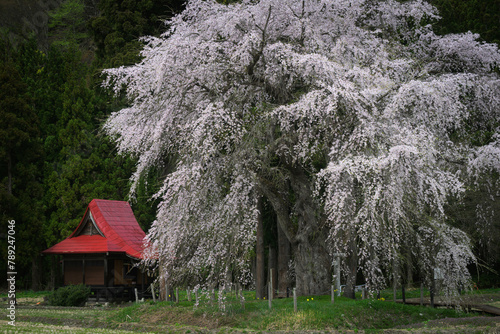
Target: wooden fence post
(333, 294)
(269, 292)
(163, 292)
(432, 293)
(153, 292)
(421, 294)
(294, 301)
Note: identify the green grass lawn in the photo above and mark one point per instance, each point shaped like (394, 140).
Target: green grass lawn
(315, 313)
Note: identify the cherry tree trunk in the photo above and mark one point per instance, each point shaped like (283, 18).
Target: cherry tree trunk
(307, 239)
(352, 268)
(272, 268)
(312, 269)
(163, 287)
(409, 273)
(283, 261)
(260, 265)
(312, 262)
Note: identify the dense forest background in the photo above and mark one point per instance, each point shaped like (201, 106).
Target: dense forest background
(54, 158)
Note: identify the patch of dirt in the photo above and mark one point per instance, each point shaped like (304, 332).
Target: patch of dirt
(473, 299)
(130, 326)
(452, 325)
(59, 321)
(488, 299)
(29, 301)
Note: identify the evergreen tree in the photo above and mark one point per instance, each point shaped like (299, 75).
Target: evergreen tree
(479, 16)
(117, 29)
(20, 172)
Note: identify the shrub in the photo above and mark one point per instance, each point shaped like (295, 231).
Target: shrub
(71, 295)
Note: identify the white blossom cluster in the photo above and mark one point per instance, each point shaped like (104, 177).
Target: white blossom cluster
(364, 84)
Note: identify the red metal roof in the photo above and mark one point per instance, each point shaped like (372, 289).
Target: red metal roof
(117, 223)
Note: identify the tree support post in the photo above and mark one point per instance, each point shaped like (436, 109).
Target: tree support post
(421, 294)
(153, 292)
(271, 290)
(270, 299)
(294, 300)
(336, 277)
(432, 292)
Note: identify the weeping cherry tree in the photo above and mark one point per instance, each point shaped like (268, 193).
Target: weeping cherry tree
(351, 117)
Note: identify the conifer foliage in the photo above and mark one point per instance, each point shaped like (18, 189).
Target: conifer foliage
(352, 117)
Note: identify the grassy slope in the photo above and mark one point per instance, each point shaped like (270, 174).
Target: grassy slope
(315, 314)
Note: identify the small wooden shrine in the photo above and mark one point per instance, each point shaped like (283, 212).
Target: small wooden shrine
(103, 250)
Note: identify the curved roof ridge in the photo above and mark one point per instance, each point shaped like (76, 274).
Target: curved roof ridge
(118, 224)
(116, 221)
